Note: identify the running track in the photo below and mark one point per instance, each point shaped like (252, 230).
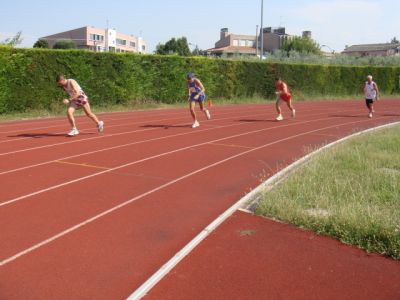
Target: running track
(94, 216)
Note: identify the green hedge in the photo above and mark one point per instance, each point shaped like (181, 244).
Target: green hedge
(27, 77)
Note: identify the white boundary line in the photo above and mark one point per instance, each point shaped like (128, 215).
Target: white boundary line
(167, 267)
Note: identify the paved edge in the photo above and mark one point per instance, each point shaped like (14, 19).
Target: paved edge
(245, 204)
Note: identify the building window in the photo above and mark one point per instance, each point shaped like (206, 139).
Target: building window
(242, 43)
(133, 44)
(121, 42)
(96, 37)
(250, 43)
(235, 42)
(143, 48)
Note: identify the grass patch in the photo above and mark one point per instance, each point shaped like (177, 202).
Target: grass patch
(350, 192)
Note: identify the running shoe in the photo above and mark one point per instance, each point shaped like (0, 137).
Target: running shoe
(208, 115)
(293, 113)
(279, 118)
(370, 115)
(73, 132)
(195, 124)
(100, 126)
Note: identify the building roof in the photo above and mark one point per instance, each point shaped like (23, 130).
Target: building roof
(371, 47)
(233, 50)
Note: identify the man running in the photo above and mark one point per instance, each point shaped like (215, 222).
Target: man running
(283, 94)
(77, 99)
(371, 93)
(196, 93)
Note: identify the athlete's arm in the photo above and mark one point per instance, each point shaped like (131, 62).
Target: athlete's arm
(377, 91)
(284, 88)
(200, 85)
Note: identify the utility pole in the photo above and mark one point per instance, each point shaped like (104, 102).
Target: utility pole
(262, 30)
(256, 40)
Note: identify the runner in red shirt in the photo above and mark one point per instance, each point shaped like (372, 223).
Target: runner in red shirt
(283, 94)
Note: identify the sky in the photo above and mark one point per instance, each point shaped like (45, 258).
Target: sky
(334, 23)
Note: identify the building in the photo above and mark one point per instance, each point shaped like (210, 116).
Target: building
(238, 44)
(274, 38)
(387, 49)
(97, 39)
(234, 44)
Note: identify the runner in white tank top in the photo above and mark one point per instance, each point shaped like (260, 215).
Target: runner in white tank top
(371, 93)
(76, 93)
(77, 99)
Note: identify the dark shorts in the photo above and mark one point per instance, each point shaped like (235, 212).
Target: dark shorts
(369, 101)
(202, 97)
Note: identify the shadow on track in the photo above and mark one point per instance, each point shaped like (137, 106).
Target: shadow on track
(43, 135)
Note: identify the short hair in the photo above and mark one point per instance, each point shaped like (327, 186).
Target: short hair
(60, 77)
(277, 78)
(190, 75)
(369, 77)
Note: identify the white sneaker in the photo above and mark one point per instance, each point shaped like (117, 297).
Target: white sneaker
(279, 118)
(100, 126)
(195, 124)
(73, 132)
(293, 113)
(208, 115)
(370, 115)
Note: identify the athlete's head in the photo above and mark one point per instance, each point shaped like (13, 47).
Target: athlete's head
(61, 81)
(369, 78)
(190, 76)
(278, 80)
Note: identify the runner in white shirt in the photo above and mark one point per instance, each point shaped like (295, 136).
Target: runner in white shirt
(77, 99)
(371, 93)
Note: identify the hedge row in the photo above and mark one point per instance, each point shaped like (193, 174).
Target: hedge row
(27, 77)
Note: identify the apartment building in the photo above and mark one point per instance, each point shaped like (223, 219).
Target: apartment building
(275, 37)
(101, 40)
(234, 44)
(387, 49)
(238, 44)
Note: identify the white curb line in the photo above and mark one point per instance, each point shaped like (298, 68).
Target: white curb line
(244, 203)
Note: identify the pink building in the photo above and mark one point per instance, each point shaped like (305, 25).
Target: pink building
(102, 40)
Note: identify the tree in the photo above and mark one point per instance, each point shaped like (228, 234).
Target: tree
(174, 46)
(196, 51)
(64, 44)
(394, 41)
(301, 45)
(41, 44)
(12, 42)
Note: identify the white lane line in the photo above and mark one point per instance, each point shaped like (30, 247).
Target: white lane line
(176, 114)
(123, 145)
(8, 202)
(165, 269)
(81, 122)
(129, 144)
(169, 265)
(103, 135)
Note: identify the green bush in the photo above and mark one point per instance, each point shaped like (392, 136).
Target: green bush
(27, 77)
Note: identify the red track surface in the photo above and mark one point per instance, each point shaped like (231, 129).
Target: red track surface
(93, 217)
